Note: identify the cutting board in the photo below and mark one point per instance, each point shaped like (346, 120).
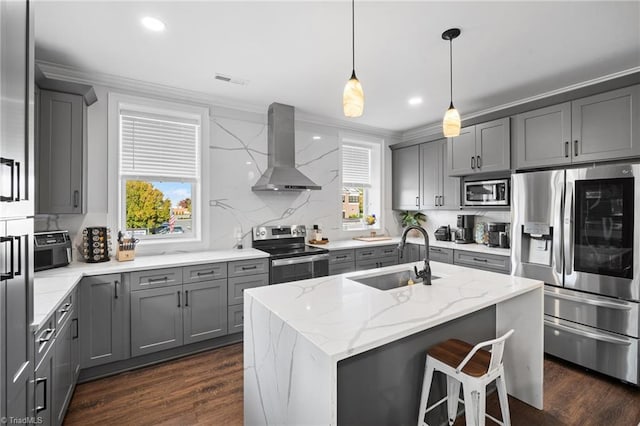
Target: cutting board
(371, 239)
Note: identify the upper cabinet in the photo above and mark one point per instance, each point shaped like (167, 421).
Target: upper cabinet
(60, 153)
(405, 175)
(420, 181)
(481, 148)
(596, 128)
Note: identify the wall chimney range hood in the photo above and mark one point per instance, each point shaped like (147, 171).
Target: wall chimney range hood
(281, 173)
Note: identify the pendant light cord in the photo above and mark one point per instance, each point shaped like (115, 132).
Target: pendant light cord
(451, 70)
(353, 37)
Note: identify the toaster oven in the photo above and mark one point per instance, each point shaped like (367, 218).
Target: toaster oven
(51, 249)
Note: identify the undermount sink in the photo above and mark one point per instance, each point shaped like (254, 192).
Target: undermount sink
(390, 280)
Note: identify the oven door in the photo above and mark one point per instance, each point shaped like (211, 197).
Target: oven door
(601, 230)
(299, 268)
(487, 193)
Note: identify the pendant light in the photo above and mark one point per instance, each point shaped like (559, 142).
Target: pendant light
(451, 122)
(353, 96)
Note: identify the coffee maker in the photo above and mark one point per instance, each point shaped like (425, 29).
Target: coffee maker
(464, 233)
(498, 236)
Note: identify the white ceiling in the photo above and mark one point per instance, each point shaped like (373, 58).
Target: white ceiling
(299, 52)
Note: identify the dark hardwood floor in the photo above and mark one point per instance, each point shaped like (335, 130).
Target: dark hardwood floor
(206, 389)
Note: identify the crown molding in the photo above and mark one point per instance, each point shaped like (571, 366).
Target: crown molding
(428, 131)
(70, 74)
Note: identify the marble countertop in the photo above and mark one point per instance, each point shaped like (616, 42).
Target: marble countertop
(478, 248)
(52, 286)
(342, 317)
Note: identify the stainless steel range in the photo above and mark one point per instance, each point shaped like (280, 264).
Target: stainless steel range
(578, 230)
(291, 259)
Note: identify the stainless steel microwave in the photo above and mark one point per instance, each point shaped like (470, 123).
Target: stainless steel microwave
(487, 192)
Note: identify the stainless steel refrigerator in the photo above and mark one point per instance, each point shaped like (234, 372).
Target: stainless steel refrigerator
(16, 212)
(578, 230)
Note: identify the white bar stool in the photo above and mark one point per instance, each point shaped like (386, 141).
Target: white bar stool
(473, 368)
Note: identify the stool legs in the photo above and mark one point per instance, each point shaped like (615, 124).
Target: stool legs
(426, 386)
(453, 394)
(504, 399)
(474, 405)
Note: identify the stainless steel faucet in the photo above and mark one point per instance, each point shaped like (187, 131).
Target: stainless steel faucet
(425, 273)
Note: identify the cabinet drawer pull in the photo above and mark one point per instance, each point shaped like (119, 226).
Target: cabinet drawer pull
(44, 403)
(575, 148)
(65, 308)
(341, 257)
(48, 335)
(158, 280)
(204, 274)
(247, 268)
(480, 260)
(566, 149)
(435, 250)
(367, 253)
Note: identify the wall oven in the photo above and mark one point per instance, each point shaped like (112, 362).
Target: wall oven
(487, 192)
(578, 230)
(290, 258)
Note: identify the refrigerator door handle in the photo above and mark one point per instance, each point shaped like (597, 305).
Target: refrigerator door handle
(588, 334)
(568, 229)
(557, 235)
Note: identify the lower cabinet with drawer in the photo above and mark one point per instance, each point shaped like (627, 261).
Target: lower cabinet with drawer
(235, 291)
(489, 262)
(342, 261)
(376, 257)
(439, 254)
(175, 314)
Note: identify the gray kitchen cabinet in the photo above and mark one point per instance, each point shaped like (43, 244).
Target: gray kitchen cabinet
(438, 189)
(440, 254)
(62, 386)
(596, 128)
(376, 257)
(103, 320)
(156, 319)
(489, 262)
(341, 261)
(543, 137)
(235, 292)
(406, 178)
(155, 278)
(482, 148)
(235, 318)
(411, 253)
(60, 155)
(237, 286)
(43, 384)
(75, 342)
(206, 272)
(205, 310)
(241, 268)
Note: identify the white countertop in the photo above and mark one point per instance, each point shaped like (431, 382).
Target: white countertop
(52, 286)
(478, 248)
(343, 318)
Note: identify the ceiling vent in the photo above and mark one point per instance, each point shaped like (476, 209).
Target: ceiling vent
(229, 79)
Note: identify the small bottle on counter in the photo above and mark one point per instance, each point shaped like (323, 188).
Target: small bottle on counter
(317, 233)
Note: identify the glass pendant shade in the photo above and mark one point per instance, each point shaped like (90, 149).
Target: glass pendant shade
(353, 98)
(451, 123)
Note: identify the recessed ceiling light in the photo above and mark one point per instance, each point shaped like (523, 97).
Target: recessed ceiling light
(417, 100)
(153, 24)
(316, 138)
(248, 163)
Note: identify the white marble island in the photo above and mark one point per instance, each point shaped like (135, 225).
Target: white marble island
(309, 344)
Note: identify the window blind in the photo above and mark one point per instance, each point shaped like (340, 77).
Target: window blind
(356, 165)
(158, 147)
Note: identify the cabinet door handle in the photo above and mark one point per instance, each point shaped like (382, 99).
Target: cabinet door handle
(76, 199)
(435, 200)
(44, 403)
(77, 329)
(186, 298)
(17, 181)
(11, 164)
(417, 201)
(478, 162)
(11, 273)
(179, 304)
(473, 162)
(442, 200)
(116, 283)
(575, 148)
(566, 149)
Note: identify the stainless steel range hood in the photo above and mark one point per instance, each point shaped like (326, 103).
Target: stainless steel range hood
(281, 174)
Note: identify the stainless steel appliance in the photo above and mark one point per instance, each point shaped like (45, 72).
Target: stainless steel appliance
(487, 193)
(443, 233)
(464, 233)
(578, 230)
(494, 229)
(291, 259)
(52, 249)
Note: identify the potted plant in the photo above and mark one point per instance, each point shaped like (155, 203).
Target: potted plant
(412, 218)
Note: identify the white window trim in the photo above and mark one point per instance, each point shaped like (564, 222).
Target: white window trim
(118, 102)
(348, 138)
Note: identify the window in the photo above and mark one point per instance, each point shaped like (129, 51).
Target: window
(159, 173)
(360, 185)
